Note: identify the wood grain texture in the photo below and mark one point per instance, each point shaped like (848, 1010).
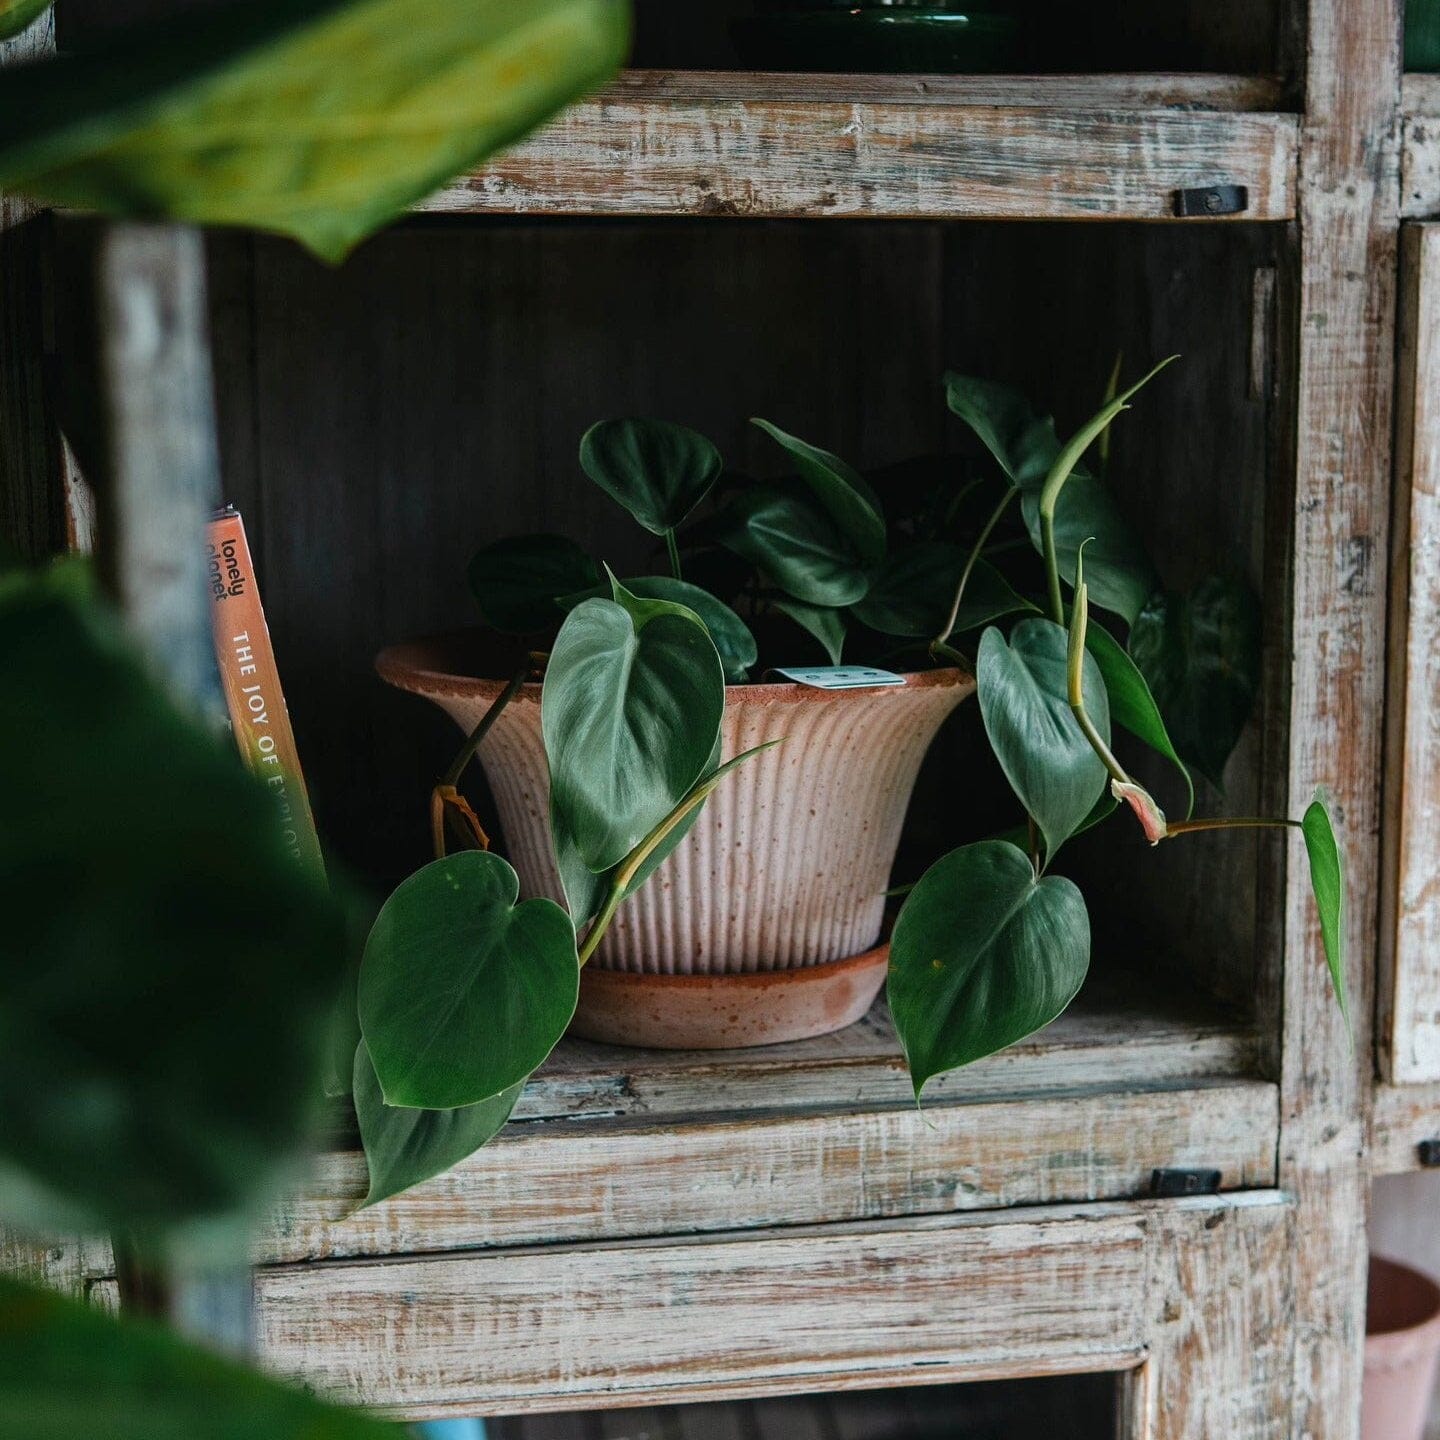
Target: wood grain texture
(1408, 1028)
(545, 1182)
(1403, 1117)
(32, 495)
(834, 157)
(1349, 194)
(1039, 1292)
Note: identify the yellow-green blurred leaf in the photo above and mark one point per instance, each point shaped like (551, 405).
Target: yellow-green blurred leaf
(321, 119)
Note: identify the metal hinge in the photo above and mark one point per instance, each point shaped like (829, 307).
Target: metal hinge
(1212, 200)
(1429, 1153)
(1167, 1184)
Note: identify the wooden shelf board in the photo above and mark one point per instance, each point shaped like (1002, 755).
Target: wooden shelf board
(1003, 147)
(1420, 148)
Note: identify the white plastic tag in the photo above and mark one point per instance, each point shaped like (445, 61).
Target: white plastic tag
(840, 677)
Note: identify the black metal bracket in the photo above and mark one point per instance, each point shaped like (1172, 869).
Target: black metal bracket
(1167, 1184)
(1429, 1153)
(1212, 200)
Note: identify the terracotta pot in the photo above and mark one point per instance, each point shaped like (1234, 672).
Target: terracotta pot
(785, 870)
(1402, 1344)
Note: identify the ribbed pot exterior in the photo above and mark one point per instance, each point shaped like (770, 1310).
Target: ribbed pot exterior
(789, 861)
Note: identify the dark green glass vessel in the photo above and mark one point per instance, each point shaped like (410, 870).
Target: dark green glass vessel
(1422, 35)
(883, 36)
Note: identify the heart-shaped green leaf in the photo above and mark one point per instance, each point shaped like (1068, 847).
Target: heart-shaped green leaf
(462, 991)
(321, 119)
(841, 492)
(730, 633)
(657, 470)
(1200, 654)
(794, 544)
(631, 707)
(145, 1080)
(68, 1369)
(1024, 702)
(1117, 568)
(982, 955)
(1327, 880)
(517, 582)
(821, 622)
(1023, 442)
(18, 15)
(914, 589)
(1132, 706)
(405, 1146)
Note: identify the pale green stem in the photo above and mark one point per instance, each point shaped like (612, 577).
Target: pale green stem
(1248, 822)
(1075, 675)
(674, 551)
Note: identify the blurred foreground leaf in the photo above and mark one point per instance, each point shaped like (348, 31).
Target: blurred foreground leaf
(320, 119)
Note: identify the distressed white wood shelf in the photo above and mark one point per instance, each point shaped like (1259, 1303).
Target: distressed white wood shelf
(1404, 1117)
(1420, 147)
(1007, 147)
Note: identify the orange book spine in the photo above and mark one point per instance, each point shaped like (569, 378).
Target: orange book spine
(251, 681)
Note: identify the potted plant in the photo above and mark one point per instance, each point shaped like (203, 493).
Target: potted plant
(606, 742)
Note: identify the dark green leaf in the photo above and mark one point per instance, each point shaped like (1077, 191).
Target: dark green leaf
(1327, 880)
(631, 707)
(517, 582)
(1023, 442)
(167, 971)
(841, 492)
(794, 545)
(914, 589)
(404, 1146)
(730, 633)
(18, 15)
(823, 623)
(321, 119)
(657, 470)
(1045, 756)
(69, 1370)
(1117, 569)
(983, 954)
(462, 991)
(1200, 655)
(1131, 703)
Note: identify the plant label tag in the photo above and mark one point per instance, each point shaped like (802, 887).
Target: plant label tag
(840, 677)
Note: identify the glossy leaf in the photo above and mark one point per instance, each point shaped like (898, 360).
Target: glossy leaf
(1023, 442)
(1327, 880)
(1200, 655)
(167, 971)
(983, 954)
(824, 624)
(1132, 706)
(794, 545)
(463, 992)
(630, 710)
(840, 491)
(1117, 569)
(913, 591)
(1024, 702)
(517, 582)
(657, 470)
(405, 1146)
(320, 119)
(18, 15)
(67, 1369)
(730, 633)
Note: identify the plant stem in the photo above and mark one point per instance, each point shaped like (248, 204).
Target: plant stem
(1247, 822)
(478, 734)
(1075, 673)
(940, 642)
(1052, 567)
(674, 551)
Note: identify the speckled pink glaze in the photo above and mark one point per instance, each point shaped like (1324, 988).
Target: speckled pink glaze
(789, 861)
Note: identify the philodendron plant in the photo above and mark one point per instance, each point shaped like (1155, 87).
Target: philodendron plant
(464, 991)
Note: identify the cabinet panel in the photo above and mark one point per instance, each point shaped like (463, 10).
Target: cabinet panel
(1410, 981)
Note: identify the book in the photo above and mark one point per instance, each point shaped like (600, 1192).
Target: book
(250, 679)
